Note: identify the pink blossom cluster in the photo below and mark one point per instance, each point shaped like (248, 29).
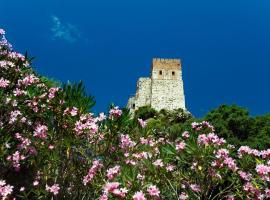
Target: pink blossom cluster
(265, 154)
(97, 165)
(52, 92)
(153, 191)
(101, 117)
(15, 158)
(210, 139)
(195, 187)
(28, 80)
(19, 92)
(2, 31)
(263, 171)
(244, 175)
(41, 131)
(5, 64)
(115, 112)
(223, 159)
(139, 196)
(185, 134)
(204, 124)
(183, 196)
(14, 116)
(71, 111)
(53, 189)
(126, 142)
(180, 146)
(113, 172)
(147, 141)
(158, 163)
(25, 142)
(142, 122)
(4, 83)
(113, 188)
(5, 189)
(86, 124)
(252, 190)
(248, 151)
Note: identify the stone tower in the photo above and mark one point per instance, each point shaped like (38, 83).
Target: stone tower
(164, 90)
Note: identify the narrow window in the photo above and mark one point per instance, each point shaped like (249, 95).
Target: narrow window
(173, 73)
(133, 106)
(160, 72)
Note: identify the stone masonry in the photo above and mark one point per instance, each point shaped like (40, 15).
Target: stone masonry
(164, 90)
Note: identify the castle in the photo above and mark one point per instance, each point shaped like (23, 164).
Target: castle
(164, 90)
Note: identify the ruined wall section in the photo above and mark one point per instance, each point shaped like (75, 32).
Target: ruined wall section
(143, 94)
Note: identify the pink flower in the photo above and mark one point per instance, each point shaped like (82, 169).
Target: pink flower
(53, 189)
(52, 92)
(35, 183)
(28, 80)
(244, 150)
(97, 165)
(74, 111)
(267, 192)
(109, 187)
(153, 191)
(158, 163)
(185, 134)
(103, 197)
(195, 188)
(183, 196)
(170, 168)
(5, 190)
(4, 83)
(230, 197)
(262, 169)
(2, 32)
(142, 123)
(126, 142)
(245, 176)
(203, 139)
(115, 112)
(222, 153)
(41, 131)
(120, 192)
(139, 196)
(101, 117)
(230, 163)
(265, 153)
(112, 172)
(180, 146)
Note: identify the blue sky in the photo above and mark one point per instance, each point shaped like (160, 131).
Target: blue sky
(224, 46)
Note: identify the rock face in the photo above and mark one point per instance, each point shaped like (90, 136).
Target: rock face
(164, 90)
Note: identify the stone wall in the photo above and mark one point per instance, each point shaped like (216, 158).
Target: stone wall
(163, 90)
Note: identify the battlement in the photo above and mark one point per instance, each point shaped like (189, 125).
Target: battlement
(167, 64)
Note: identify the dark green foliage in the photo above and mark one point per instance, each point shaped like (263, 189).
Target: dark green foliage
(50, 82)
(145, 112)
(239, 128)
(75, 95)
(231, 121)
(260, 136)
(174, 116)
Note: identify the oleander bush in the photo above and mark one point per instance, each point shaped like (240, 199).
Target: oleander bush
(52, 147)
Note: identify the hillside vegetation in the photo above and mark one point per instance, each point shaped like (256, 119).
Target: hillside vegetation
(53, 147)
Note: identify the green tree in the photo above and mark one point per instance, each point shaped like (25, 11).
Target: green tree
(231, 122)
